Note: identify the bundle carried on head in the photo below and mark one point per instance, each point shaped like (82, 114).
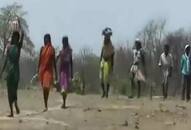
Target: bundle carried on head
(14, 24)
(107, 32)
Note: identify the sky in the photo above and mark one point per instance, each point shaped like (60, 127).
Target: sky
(83, 20)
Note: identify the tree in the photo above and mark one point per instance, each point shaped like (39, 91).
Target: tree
(8, 14)
(87, 65)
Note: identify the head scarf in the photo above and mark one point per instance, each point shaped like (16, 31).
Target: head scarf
(187, 46)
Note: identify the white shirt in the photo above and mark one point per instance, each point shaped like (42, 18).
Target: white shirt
(137, 56)
(166, 61)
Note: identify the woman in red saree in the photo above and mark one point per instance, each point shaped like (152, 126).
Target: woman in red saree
(45, 68)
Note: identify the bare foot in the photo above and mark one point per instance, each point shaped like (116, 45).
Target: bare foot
(11, 115)
(103, 95)
(63, 106)
(45, 110)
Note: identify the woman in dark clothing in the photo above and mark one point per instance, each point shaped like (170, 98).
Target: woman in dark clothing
(11, 65)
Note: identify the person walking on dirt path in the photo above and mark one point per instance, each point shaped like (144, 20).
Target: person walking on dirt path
(166, 65)
(106, 62)
(66, 69)
(47, 63)
(11, 65)
(137, 70)
(186, 71)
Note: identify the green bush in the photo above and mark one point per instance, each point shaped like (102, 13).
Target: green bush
(122, 86)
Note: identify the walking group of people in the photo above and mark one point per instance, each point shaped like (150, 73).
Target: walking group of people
(47, 68)
(138, 70)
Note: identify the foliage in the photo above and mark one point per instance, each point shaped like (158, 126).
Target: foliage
(7, 14)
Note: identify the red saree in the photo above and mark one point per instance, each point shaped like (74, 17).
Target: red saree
(46, 65)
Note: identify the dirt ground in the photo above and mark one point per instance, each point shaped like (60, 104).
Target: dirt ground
(90, 112)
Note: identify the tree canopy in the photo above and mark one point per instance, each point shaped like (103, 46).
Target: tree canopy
(8, 14)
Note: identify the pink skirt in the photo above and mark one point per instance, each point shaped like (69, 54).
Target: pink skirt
(64, 81)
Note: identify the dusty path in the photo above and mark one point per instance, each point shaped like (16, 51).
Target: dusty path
(90, 112)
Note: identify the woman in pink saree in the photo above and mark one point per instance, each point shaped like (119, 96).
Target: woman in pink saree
(66, 69)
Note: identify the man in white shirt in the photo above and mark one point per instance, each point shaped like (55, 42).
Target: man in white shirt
(166, 65)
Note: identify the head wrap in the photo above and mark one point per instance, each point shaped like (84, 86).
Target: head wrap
(187, 46)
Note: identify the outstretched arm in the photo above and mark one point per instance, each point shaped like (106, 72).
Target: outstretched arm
(21, 40)
(20, 44)
(22, 35)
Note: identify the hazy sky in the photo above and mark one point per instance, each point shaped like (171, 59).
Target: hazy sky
(83, 20)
